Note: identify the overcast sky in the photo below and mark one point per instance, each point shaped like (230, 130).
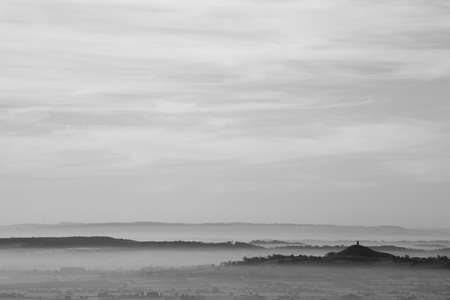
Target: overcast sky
(318, 112)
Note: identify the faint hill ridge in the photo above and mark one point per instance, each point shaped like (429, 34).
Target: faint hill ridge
(362, 251)
(384, 227)
(221, 232)
(106, 241)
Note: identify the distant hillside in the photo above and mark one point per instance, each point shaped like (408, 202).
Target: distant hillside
(359, 251)
(349, 256)
(222, 232)
(102, 241)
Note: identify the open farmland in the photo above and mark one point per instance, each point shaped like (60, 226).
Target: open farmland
(268, 282)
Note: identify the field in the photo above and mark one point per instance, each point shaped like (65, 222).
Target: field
(302, 281)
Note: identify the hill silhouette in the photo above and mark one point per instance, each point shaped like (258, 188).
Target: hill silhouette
(104, 242)
(359, 251)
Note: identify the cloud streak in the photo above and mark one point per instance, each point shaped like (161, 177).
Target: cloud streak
(69, 147)
(351, 95)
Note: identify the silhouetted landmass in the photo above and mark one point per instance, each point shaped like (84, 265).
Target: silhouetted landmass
(354, 253)
(362, 251)
(104, 242)
(336, 248)
(101, 242)
(438, 261)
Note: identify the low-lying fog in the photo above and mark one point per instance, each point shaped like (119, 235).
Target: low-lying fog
(54, 259)
(133, 259)
(428, 241)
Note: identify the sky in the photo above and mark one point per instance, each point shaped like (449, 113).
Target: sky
(265, 111)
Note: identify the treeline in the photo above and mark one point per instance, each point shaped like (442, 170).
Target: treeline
(341, 247)
(332, 257)
(276, 258)
(418, 260)
(102, 241)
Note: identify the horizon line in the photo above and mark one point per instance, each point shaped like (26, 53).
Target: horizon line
(68, 223)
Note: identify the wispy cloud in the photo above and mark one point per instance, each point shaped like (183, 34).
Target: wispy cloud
(130, 146)
(118, 88)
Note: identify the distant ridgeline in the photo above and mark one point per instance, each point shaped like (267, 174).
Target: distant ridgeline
(358, 251)
(102, 242)
(354, 253)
